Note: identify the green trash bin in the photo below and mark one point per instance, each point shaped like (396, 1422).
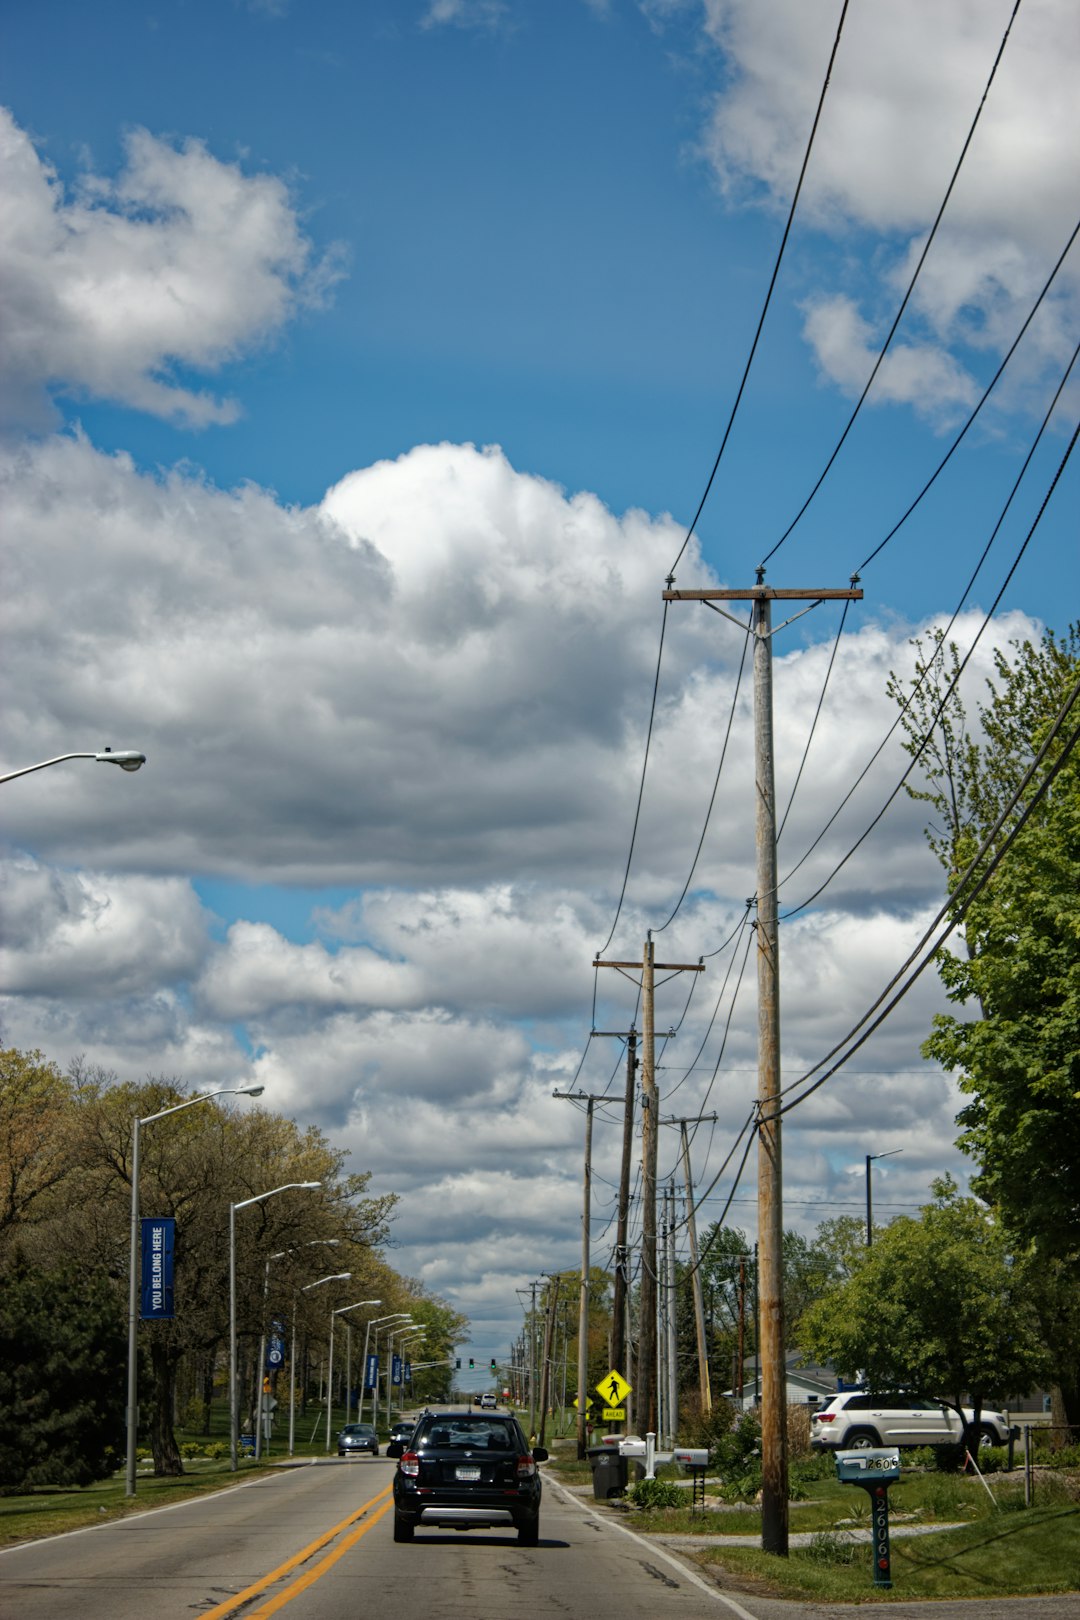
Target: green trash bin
(609, 1472)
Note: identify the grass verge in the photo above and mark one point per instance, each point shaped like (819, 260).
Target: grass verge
(51, 1510)
(1020, 1554)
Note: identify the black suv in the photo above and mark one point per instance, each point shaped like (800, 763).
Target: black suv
(468, 1471)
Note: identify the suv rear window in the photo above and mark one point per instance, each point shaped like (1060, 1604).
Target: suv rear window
(488, 1434)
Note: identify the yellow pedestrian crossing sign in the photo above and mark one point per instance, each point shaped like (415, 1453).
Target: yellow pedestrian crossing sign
(613, 1388)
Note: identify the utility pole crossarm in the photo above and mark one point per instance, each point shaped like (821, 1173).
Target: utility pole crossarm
(668, 967)
(765, 593)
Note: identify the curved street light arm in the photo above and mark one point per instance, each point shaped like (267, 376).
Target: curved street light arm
(128, 759)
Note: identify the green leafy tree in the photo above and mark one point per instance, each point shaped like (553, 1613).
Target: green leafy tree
(727, 1255)
(62, 1384)
(37, 1137)
(1018, 1058)
(939, 1305)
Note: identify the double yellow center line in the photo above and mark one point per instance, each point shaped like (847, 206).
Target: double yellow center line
(370, 1513)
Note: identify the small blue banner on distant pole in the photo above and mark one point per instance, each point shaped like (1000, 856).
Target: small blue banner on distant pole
(395, 1370)
(158, 1244)
(371, 1373)
(408, 1372)
(275, 1349)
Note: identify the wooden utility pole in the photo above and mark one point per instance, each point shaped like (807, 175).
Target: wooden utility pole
(774, 1494)
(645, 1382)
(554, 1284)
(583, 1298)
(619, 1347)
(739, 1353)
(704, 1385)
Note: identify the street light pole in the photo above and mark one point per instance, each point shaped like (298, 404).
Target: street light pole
(363, 1376)
(870, 1157)
(329, 1243)
(330, 1367)
(338, 1276)
(397, 1316)
(260, 1198)
(128, 759)
(418, 1339)
(133, 1262)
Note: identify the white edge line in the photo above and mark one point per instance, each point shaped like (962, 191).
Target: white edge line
(146, 1513)
(657, 1551)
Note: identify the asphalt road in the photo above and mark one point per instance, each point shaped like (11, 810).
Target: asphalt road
(315, 1543)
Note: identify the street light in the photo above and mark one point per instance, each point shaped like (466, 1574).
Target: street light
(363, 1376)
(329, 1243)
(870, 1157)
(260, 1198)
(128, 759)
(330, 1362)
(133, 1292)
(395, 1316)
(415, 1339)
(338, 1276)
(405, 1328)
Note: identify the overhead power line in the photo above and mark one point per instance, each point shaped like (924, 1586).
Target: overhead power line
(906, 298)
(768, 296)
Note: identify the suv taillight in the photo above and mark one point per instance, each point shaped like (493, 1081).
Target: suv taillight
(410, 1463)
(526, 1468)
(824, 1417)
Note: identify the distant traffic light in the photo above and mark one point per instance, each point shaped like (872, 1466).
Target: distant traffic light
(472, 1363)
(457, 1363)
(493, 1364)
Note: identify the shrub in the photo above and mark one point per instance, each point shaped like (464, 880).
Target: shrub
(826, 1547)
(709, 1431)
(818, 1465)
(656, 1493)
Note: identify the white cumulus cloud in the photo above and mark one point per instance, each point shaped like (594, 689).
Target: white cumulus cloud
(118, 289)
(907, 81)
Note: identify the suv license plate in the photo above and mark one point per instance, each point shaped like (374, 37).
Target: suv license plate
(467, 1473)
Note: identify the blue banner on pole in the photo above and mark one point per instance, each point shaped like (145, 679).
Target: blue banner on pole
(408, 1372)
(158, 1244)
(275, 1347)
(371, 1373)
(395, 1370)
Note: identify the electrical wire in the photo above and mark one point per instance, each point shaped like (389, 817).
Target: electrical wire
(991, 385)
(641, 786)
(719, 1222)
(907, 295)
(817, 714)
(768, 296)
(918, 751)
(727, 1026)
(958, 903)
(715, 786)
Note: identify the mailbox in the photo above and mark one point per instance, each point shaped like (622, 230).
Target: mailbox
(876, 1465)
(631, 1448)
(875, 1469)
(691, 1456)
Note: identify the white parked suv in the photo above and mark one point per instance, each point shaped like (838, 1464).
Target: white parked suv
(854, 1420)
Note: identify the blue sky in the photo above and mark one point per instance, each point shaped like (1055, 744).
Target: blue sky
(394, 697)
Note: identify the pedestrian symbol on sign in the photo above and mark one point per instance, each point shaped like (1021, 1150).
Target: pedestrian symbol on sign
(613, 1388)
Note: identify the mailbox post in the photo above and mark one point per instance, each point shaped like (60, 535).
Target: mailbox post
(874, 1470)
(695, 1460)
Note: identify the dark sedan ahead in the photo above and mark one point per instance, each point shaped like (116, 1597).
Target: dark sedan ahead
(468, 1471)
(400, 1435)
(357, 1437)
